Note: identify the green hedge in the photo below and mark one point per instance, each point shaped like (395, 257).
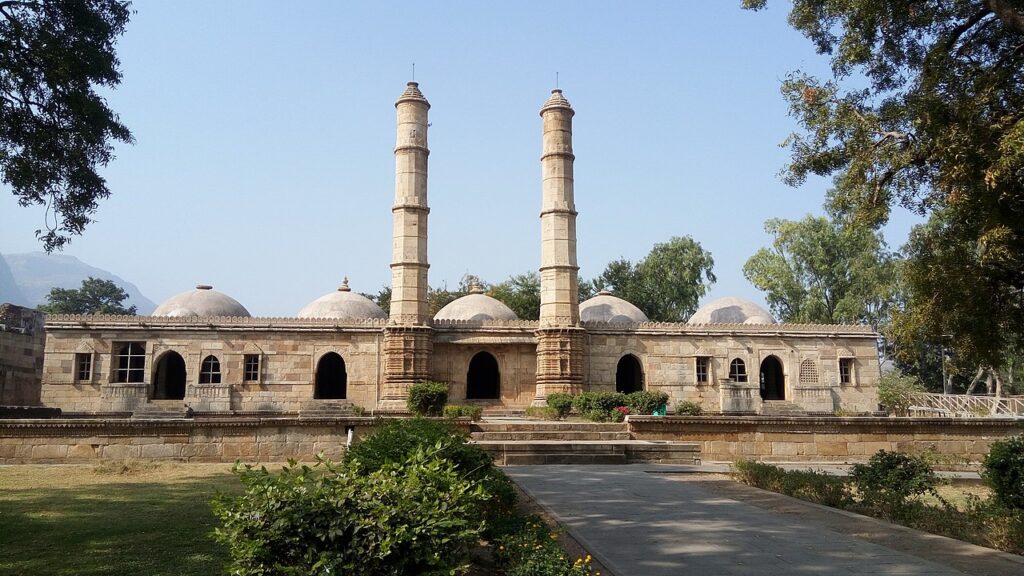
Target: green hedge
(427, 398)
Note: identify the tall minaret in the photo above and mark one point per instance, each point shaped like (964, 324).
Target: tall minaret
(559, 338)
(408, 340)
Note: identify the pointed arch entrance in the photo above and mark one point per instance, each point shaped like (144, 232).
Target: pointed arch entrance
(629, 375)
(169, 377)
(773, 381)
(483, 379)
(331, 378)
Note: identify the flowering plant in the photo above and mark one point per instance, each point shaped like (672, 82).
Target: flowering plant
(624, 410)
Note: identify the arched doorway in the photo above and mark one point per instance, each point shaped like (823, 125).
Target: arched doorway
(331, 378)
(483, 380)
(169, 377)
(629, 375)
(773, 382)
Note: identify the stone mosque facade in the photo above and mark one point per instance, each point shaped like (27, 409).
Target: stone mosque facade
(202, 348)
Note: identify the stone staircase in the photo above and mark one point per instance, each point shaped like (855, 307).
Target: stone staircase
(521, 442)
(781, 408)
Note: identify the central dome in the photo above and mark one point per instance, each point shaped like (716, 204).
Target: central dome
(476, 306)
(607, 308)
(203, 301)
(730, 310)
(342, 304)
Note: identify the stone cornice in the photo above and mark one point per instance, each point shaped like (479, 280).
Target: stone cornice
(140, 427)
(814, 424)
(216, 323)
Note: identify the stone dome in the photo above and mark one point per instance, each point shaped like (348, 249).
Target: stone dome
(342, 304)
(730, 310)
(607, 308)
(476, 306)
(203, 301)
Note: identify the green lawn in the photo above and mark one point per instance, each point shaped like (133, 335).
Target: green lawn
(89, 521)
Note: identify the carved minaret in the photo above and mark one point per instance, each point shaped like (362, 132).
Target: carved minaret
(559, 338)
(408, 340)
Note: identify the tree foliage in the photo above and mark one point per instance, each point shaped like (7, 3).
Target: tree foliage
(925, 109)
(521, 293)
(819, 271)
(96, 296)
(667, 284)
(55, 130)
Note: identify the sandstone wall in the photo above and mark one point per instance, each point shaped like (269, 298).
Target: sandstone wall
(778, 439)
(199, 440)
(669, 364)
(22, 340)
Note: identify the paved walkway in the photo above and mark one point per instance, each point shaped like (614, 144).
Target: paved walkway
(639, 523)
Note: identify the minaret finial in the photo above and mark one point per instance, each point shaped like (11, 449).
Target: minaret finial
(344, 285)
(556, 79)
(413, 71)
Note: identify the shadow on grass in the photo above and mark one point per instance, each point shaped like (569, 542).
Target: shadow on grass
(158, 528)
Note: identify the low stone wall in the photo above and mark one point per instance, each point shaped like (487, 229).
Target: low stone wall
(787, 439)
(196, 440)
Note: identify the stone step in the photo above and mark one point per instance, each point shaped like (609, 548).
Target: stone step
(781, 408)
(549, 435)
(513, 453)
(548, 427)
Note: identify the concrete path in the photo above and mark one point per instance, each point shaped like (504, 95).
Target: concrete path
(639, 523)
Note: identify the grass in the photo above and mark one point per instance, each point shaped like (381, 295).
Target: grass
(111, 519)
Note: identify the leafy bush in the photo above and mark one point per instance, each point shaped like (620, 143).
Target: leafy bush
(394, 440)
(889, 479)
(894, 391)
(601, 401)
(645, 402)
(817, 487)
(530, 548)
(1003, 471)
(561, 403)
(427, 398)
(689, 408)
(417, 516)
(474, 413)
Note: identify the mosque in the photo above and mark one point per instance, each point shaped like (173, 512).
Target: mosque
(202, 348)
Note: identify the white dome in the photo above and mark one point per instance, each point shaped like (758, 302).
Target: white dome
(476, 306)
(203, 301)
(342, 304)
(607, 308)
(730, 310)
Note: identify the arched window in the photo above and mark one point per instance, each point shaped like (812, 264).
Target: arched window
(629, 375)
(737, 371)
(209, 372)
(483, 379)
(331, 378)
(131, 362)
(169, 377)
(808, 372)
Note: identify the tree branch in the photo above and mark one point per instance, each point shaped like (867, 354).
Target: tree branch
(957, 32)
(1009, 14)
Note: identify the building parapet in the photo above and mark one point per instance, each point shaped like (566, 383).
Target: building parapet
(780, 330)
(225, 323)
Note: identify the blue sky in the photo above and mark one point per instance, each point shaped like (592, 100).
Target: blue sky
(263, 163)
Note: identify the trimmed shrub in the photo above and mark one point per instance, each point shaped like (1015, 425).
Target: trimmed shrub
(813, 486)
(561, 403)
(427, 398)
(602, 401)
(689, 408)
(1003, 471)
(417, 516)
(890, 479)
(474, 413)
(645, 402)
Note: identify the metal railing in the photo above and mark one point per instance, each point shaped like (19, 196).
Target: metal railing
(964, 406)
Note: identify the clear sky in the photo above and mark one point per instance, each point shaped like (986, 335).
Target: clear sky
(263, 163)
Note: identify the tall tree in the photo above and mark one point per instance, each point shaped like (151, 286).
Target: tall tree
(925, 109)
(96, 296)
(819, 271)
(667, 284)
(521, 293)
(55, 130)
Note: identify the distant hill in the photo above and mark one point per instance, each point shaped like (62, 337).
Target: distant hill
(35, 273)
(9, 291)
